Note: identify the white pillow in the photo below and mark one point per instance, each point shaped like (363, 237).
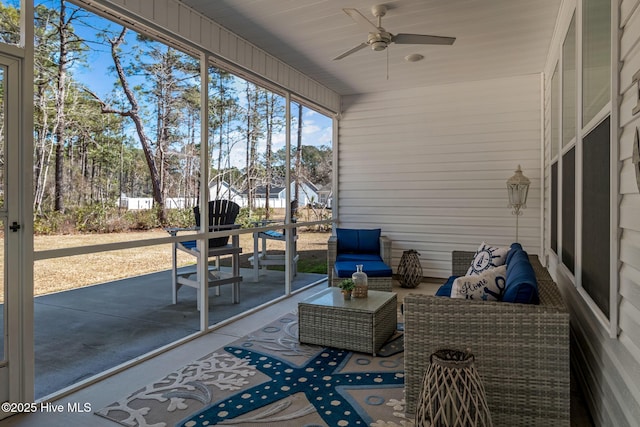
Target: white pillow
(487, 257)
(488, 286)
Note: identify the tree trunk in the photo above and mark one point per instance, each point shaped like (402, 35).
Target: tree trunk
(43, 153)
(60, 112)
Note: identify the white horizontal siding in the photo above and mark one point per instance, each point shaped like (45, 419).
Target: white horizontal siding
(171, 18)
(429, 166)
(629, 289)
(629, 209)
(609, 369)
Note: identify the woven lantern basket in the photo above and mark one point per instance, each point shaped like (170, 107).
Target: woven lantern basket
(409, 269)
(452, 394)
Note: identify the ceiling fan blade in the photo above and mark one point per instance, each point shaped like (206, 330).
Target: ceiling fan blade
(361, 20)
(421, 39)
(350, 51)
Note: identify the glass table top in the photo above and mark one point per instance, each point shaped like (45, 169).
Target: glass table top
(332, 297)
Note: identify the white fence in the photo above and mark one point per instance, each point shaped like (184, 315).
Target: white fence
(141, 203)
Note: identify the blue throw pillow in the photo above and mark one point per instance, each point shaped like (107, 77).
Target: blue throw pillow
(445, 290)
(522, 286)
(347, 240)
(369, 241)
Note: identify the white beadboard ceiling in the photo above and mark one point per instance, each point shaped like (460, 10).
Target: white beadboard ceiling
(495, 38)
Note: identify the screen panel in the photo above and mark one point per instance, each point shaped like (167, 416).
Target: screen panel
(596, 230)
(569, 209)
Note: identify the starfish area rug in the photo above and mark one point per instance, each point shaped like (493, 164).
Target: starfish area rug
(268, 378)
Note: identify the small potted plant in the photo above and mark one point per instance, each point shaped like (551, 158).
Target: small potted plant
(347, 286)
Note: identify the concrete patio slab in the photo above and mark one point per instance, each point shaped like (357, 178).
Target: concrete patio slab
(83, 332)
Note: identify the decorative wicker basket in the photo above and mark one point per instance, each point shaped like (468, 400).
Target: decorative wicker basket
(409, 269)
(452, 393)
(361, 291)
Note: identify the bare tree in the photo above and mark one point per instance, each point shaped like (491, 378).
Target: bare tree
(134, 114)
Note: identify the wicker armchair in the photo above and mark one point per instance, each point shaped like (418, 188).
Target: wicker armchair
(521, 350)
(375, 283)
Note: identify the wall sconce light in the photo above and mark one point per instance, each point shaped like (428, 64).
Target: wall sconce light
(518, 189)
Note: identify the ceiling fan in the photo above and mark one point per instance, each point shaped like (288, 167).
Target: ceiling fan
(379, 38)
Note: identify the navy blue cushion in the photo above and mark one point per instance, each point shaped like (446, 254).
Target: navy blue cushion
(369, 241)
(347, 240)
(522, 286)
(445, 290)
(514, 248)
(358, 257)
(190, 244)
(358, 241)
(372, 268)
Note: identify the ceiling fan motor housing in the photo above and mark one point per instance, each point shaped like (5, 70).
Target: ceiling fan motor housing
(379, 41)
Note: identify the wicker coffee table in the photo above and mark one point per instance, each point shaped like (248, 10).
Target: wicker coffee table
(360, 324)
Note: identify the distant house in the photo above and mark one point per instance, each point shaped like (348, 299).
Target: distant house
(307, 193)
(325, 195)
(224, 190)
(277, 197)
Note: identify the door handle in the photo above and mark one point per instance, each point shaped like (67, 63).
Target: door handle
(14, 226)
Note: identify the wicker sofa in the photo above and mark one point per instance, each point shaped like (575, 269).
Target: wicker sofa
(521, 350)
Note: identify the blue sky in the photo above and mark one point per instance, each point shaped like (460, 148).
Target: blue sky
(317, 128)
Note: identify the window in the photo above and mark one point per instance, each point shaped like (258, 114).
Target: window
(569, 209)
(596, 57)
(555, 114)
(581, 177)
(569, 85)
(555, 149)
(596, 232)
(554, 207)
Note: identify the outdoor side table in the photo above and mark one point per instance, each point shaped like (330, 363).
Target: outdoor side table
(360, 324)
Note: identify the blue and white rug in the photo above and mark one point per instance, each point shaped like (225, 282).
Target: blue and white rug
(268, 378)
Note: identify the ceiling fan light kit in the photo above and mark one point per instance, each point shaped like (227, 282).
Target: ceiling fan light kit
(379, 38)
(414, 57)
